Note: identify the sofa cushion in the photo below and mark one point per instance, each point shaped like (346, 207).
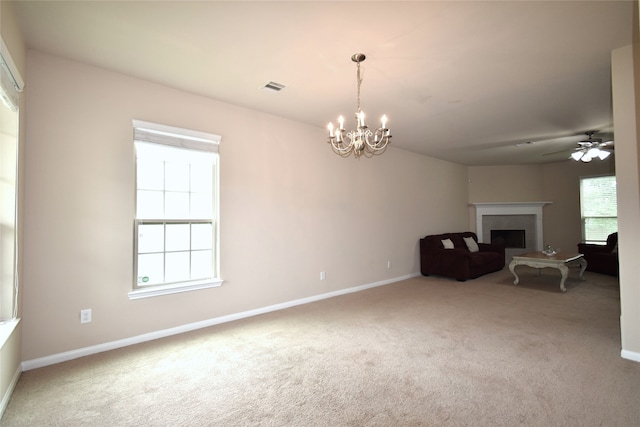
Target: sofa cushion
(471, 244)
(447, 243)
(476, 259)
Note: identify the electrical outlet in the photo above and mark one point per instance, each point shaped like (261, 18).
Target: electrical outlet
(85, 316)
(389, 265)
(322, 275)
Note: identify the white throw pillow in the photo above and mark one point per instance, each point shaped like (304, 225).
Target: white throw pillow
(471, 244)
(447, 243)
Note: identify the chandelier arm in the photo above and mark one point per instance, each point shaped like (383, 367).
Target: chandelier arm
(371, 153)
(341, 147)
(380, 140)
(380, 135)
(379, 147)
(375, 151)
(368, 154)
(349, 143)
(342, 153)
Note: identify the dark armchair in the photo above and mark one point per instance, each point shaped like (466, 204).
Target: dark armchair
(601, 258)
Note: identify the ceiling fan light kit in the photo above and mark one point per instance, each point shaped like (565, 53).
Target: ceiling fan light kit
(362, 141)
(590, 149)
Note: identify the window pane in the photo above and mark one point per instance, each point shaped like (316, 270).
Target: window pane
(177, 205)
(177, 176)
(150, 238)
(201, 205)
(201, 178)
(201, 236)
(178, 237)
(597, 229)
(150, 204)
(177, 267)
(150, 269)
(599, 207)
(150, 175)
(598, 196)
(201, 264)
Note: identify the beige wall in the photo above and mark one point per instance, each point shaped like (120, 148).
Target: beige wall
(626, 96)
(558, 183)
(561, 221)
(505, 184)
(290, 208)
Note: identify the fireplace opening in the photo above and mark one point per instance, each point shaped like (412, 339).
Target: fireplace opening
(509, 238)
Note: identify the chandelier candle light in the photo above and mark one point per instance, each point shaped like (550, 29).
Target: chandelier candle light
(362, 141)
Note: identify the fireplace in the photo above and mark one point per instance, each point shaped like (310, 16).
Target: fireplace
(525, 216)
(509, 238)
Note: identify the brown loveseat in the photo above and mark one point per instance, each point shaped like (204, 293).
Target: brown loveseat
(602, 258)
(459, 263)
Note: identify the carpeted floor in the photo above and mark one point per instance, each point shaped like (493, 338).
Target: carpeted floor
(422, 352)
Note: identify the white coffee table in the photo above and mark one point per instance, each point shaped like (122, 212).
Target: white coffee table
(539, 260)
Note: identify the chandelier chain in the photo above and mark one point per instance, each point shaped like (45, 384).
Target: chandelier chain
(359, 83)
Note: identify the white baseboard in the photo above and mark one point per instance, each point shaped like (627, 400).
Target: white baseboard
(86, 351)
(630, 355)
(7, 395)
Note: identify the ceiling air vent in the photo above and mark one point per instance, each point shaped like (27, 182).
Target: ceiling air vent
(273, 86)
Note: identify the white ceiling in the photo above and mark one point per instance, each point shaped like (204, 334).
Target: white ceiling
(459, 81)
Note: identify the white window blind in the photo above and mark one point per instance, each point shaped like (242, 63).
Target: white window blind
(599, 208)
(175, 137)
(10, 82)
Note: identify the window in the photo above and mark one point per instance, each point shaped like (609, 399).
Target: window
(176, 225)
(10, 86)
(599, 208)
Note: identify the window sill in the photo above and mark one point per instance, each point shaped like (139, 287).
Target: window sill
(6, 329)
(155, 291)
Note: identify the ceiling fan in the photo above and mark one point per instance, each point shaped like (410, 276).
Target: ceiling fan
(587, 149)
(590, 148)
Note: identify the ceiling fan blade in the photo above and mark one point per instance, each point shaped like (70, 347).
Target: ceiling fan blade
(568, 150)
(591, 141)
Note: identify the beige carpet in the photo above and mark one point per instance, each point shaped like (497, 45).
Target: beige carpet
(421, 352)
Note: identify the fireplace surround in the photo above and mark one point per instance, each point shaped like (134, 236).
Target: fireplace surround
(525, 216)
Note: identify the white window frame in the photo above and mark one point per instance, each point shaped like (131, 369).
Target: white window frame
(11, 85)
(583, 218)
(154, 133)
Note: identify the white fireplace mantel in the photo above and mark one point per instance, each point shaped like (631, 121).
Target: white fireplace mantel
(511, 208)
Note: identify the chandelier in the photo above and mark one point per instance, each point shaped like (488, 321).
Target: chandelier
(362, 141)
(590, 149)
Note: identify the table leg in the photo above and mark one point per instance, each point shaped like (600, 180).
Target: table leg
(564, 270)
(512, 268)
(583, 267)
